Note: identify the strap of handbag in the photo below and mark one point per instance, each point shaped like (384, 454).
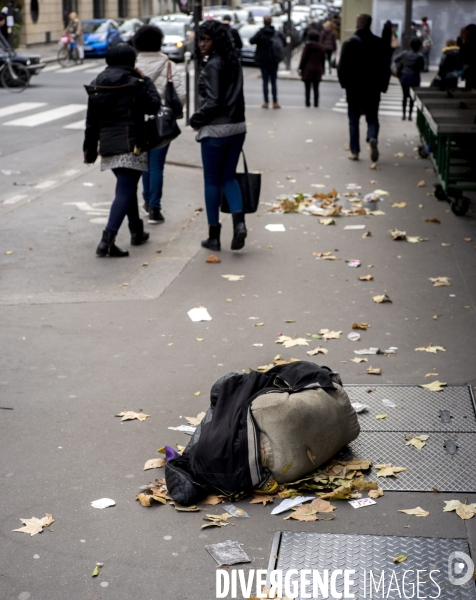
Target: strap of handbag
(244, 162)
(169, 71)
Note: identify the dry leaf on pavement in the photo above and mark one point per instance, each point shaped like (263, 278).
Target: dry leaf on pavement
(327, 221)
(399, 204)
(418, 511)
(195, 421)
(363, 326)
(34, 525)
(128, 415)
(400, 558)
(464, 511)
(381, 298)
(359, 360)
(375, 494)
(289, 342)
(421, 183)
(440, 281)
(433, 220)
(212, 499)
(388, 471)
(343, 492)
(398, 235)
(430, 348)
(372, 371)
(156, 493)
(154, 463)
(217, 520)
(381, 416)
(309, 510)
(325, 255)
(415, 239)
(329, 335)
(468, 239)
(213, 258)
(366, 278)
(233, 277)
(418, 441)
(261, 499)
(434, 386)
(431, 375)
(317, 351)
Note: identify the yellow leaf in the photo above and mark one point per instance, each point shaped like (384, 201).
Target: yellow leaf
(418, 511)
(34, 525)
(363, 326)
(381, 416)
(366, 278)
(289, 342)
(154, 463)
(399, 204)
(431, 375)
(417, 441)
(287, 467)
(317, 351)
(372, 371)
(196, 393)
(195, 421)
(381, 298)
(375, 494)
(400, 558)
(434, 386)
(199, 339)
(421, 183)
(95, 572)
(9, 252)
(329, 335)
(389, 471)
(327, 221)
(128, 415)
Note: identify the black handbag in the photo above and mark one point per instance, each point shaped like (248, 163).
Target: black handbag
(171, 99)
(161, 129)
(250, 185)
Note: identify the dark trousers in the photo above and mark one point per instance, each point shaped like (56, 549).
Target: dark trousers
(220, 157)
(315, 86)
(153, 179)
(329, 59)
(270, 74)
(125, 201)
(369, 108)
(406, 97)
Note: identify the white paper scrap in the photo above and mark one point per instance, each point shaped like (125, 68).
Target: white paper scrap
(289, 503)
(184, 429)
(354, 227)
(275, 227)
(103, 503)
(359, 407)
(389, 403)
(199, 314)
(362, 502)
(366, 351)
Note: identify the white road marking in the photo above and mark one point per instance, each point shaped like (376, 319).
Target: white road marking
(71, 172)
(382, 113)
(20, 107)
(44, 185)
(76, 125)
(96, 70)
(15, 199)
(47, 116)
(51, 68)
(82, 67)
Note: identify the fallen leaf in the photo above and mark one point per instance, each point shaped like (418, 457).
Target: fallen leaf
(366, 278)
(372, 371)
(95, 572)
(309, 510)
(375, 494)
(34, 525)
(192, 508)
(433, 220)
(195, 421)
(259, 324)
(415, 239)
(9, 252)
(418, 511)
(430, 348)
(213, 258)
(399, 204)
(327, 221)
(467, 239)
(212, 499)
(152, 495)
(180, 448)
(417, 441)
(197, 393)
(434, 386)
(261, 499)
(325, 255)
(397, 234)
(464, 511)
(154, 463)
(310, 455)
(199, 339)
(359, 360)
(399, 155)
(445, 244)
(421, 183)
(431, 375)
(329, 335)
(233, 277)
(289, 342)
(381, 298)
(128, 415)
(367, 234)
(381, 416)
(400, 558)
(389, 471)
(317, 351)
(290, 320)
(217, 520)
(363, 326)
(286, 468)
(440, 281)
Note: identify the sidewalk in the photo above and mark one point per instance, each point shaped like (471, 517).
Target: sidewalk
(72, 364)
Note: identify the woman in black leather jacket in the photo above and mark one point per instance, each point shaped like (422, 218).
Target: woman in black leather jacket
(221, 126)
(119, 98)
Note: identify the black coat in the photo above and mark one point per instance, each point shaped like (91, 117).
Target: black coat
(312, 61)
(364, 66)
(264, 55)
(450, 63)
(118, 100)
(221, 94)
(236, 37)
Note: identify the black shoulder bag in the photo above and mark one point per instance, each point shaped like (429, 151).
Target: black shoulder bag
(250, 185)
(162, 128)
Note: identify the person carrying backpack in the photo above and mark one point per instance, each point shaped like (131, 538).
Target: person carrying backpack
(269, 53)
(409, 66)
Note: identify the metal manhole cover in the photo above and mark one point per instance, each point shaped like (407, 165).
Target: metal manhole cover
(370, 554)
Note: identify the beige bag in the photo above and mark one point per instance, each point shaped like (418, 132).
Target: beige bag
(301, 431)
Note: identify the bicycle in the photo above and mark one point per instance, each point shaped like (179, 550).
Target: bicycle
(14, 76)
(68, 53)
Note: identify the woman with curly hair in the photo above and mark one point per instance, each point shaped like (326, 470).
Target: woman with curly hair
(221, 126)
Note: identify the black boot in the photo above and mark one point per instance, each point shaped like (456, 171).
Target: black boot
(138, 235)
(107, 247)
(239, 231)
(213, 241)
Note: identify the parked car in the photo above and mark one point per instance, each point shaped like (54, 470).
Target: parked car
(99, 34)
(178, 38)
(128, 28)
(248, 51)
(178, 18)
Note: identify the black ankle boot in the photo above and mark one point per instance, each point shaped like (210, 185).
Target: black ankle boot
(239, 231)
(138, 235)
(213, 241)
(107, 247)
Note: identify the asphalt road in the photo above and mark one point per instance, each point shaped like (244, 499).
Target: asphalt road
(83, 338)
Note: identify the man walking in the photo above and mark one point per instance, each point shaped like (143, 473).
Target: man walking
(235, 36)
(269, 53)
(364, 72)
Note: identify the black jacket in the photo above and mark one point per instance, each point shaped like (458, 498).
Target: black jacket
(236, 37)
(364, 66)
(450, 63)
(219, 456)
(118, 100)
(312, 61)
(221, 95)
(409, 66)
(264, 56)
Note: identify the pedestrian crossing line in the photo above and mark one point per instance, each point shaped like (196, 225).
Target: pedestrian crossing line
(71, 172)
(15, 199)
(47, 116)
(80, 125)
(96, 70)
(82, 67)
(382, 113)
(13, 109)
(396, 105)
(51, 68)
(44, 185)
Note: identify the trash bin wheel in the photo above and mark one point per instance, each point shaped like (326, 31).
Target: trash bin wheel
(460, 206)
(422, 152)
(440, 193)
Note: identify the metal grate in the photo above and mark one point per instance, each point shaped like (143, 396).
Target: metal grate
(370, 553)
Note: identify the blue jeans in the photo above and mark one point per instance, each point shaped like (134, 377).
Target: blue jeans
(125, 201)
(270, 73)
(153, 179)
(220, 157)
(369, 108)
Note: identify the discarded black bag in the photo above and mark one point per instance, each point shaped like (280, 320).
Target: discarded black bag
(250, 185)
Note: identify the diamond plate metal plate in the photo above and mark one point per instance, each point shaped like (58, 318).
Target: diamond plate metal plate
(417, 409)
(369, 553)
(431, 467)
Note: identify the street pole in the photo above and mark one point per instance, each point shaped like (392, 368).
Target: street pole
(188, 57)
(288, 49)
(407, 35)
(197, 17)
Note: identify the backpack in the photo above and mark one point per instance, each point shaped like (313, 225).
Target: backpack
(277, 47)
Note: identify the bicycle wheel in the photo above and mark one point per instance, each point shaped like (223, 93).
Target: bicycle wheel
(63, 56)
(15, 77)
